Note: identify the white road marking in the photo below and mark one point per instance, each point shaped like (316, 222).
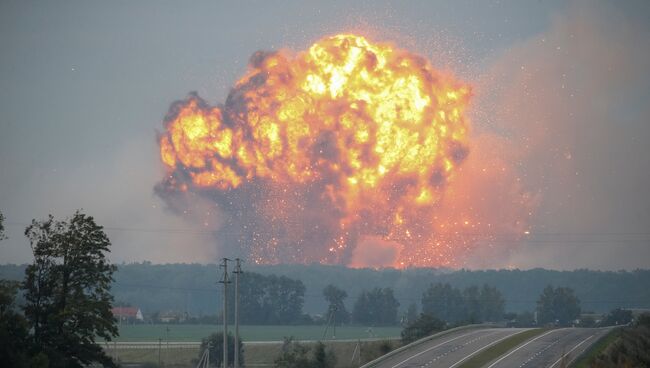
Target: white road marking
(540, 352)
(433, 347)
(521, 346)
(483, 348)
(459, 347)
(575, 347)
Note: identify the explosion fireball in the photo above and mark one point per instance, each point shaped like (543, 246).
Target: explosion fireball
(314, 153)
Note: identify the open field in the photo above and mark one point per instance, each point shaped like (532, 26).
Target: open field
(256, 355)
(180, 332)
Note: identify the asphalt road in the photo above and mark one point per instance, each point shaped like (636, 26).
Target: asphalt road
(553, 349)
(449, 350)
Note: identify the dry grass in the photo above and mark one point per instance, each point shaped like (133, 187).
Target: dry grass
(255, 355)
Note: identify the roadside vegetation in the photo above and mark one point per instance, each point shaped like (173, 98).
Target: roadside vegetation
(626, 347)
(586, 358)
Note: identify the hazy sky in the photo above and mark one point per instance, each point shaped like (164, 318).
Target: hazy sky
(566, 86)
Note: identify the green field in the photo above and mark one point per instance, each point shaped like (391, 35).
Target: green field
(179, 332)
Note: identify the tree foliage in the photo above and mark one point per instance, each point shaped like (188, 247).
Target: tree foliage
(617, 317)
(471, 305)
(411, 313)
(296, 355)
(631, 348)
(67, 291)
(376, 307)
(336, 307)
(215, 344)
(491, 304)
(444, 302)
(147, 285)
(2, 227)
(269, 299)
(14, 338)
(424, 325)
(558, 306)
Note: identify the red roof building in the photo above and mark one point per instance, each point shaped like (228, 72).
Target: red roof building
(127, 313)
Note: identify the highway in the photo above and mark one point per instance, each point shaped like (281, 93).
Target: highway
(449, 350)
(552, 349)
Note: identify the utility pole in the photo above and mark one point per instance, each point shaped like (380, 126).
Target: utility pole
(237, 271)
(334, 322)
(225, 281)
(167, 352)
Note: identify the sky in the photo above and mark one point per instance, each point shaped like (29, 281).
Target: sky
(561, 94)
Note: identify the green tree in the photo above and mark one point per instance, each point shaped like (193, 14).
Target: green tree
(524, 319)
(643, 320)
(215, 342)
(2, 227)
(491, 303)
(293, 355)
(14, 339)
(67, 291)
(617, 317)
(323, 357)
(376, 307)
(252, 305)
(423, 326)
(411, 313)
(444, 302)
(296, 355)
(335, 296)
(287, 296)
(557, 305)
(473, 308)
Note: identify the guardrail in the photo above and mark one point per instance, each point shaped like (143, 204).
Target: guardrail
(372, 363)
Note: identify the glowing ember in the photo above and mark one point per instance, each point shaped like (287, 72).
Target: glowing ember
(314, 152)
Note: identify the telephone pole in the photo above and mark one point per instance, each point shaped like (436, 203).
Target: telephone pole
(237, 271)
(225, 281)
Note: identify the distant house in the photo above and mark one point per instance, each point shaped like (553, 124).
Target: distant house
(127, 314)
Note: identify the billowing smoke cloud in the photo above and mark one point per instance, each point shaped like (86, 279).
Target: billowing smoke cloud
(568, 102)
(313, 153)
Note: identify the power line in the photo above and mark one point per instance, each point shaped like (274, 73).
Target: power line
(551, 238)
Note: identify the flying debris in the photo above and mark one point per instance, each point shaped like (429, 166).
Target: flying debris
(315, 152)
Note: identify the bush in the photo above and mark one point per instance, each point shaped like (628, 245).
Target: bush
(425, 325)
(617, 317)
(215, 343)
(630, 349)
(296, 355)
(373, 350)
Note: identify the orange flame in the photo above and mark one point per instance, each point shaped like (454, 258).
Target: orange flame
(377, 127)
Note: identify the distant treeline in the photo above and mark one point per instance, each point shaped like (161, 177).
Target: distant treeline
(194, 288)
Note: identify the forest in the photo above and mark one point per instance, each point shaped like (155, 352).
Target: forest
(193, 289)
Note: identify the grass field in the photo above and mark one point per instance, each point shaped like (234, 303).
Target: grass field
(256, 355)
(179, 332)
